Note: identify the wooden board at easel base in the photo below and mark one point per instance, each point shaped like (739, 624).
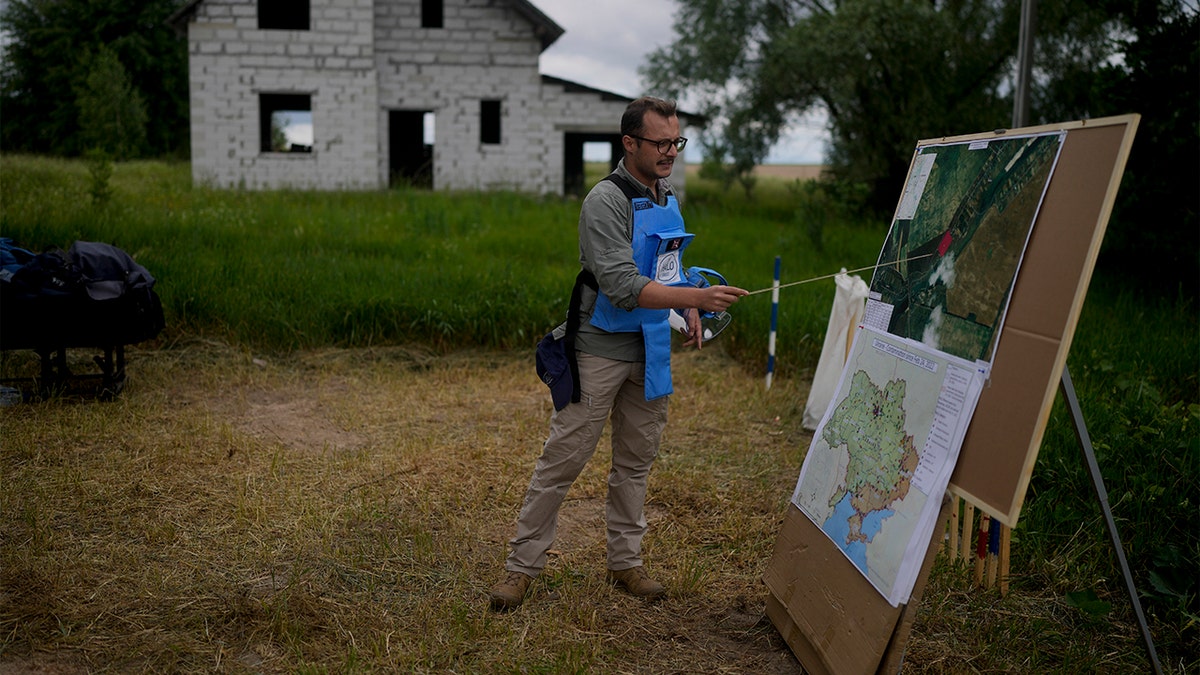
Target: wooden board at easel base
(832, 618)
(835, 620)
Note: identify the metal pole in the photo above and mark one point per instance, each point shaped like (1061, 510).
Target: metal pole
(1024, 63)
(1085, 442)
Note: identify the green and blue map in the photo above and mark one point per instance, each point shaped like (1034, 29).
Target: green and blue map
(886, 445)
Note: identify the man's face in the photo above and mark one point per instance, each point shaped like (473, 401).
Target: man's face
(643, 159)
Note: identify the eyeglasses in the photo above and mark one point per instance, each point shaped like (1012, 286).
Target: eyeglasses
(665, 144)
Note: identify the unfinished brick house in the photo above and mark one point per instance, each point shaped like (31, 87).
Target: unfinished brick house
(437, 93)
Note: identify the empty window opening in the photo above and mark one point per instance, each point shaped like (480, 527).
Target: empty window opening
(432, 13)
(283, 14)
(597, 152)
(285, 121)
(489, 122)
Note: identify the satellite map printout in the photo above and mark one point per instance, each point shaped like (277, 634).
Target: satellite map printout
(882, 456)
(950, 260)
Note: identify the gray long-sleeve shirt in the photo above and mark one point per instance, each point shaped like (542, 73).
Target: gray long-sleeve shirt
(606, 249)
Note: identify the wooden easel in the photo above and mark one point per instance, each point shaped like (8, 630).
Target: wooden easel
(983, 544)
(828, 613)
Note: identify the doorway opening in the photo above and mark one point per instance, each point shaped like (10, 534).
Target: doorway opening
(410, 148)
(580, 149)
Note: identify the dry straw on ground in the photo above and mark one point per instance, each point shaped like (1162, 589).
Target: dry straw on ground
(348, 510)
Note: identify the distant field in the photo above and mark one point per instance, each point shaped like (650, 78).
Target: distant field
(784, 171)
(789, 171)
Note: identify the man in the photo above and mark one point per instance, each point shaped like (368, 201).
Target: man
(630, 233)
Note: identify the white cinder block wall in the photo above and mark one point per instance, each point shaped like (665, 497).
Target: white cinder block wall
(231, 62)
(580, 112)
(485, 51)
(362, 59)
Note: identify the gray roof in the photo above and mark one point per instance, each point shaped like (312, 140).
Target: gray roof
(576, 88)
(544, 27)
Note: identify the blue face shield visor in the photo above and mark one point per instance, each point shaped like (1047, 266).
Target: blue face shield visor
(711, 323)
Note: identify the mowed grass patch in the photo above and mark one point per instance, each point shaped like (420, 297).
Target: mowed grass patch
(348, 510)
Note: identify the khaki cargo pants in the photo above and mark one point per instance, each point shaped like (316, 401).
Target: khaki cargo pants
(609, 390)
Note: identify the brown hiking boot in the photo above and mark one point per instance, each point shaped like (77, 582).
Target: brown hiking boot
(637, 582)
(510, 593)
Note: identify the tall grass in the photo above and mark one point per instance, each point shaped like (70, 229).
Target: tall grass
(289, 270)
(1136, 368)
(278, 272)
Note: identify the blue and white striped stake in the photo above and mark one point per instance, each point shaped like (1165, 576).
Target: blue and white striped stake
(774, 321)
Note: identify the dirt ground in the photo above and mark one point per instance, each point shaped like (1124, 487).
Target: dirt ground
(342, 403)
(348, 511)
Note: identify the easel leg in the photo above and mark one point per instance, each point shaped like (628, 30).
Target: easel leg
(1005, 543)
(955, 504)
(968, 527)
(1085, 443)
(981, 551)
(991, 559)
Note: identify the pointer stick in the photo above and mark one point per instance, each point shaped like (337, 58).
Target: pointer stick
(829, 276)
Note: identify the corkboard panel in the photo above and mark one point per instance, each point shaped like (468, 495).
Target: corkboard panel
(1001, 445)
(829, 614)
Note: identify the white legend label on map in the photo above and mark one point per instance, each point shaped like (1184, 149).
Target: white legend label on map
(922, 167)
(877, 315)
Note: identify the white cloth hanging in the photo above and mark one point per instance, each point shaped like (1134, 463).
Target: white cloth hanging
(849, 302)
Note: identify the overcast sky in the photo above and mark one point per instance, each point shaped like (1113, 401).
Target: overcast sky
(606, 41)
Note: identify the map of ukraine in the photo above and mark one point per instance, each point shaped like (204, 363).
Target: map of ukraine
(870, 422)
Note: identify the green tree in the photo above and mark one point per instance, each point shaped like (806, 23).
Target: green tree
(279, 141)
(112, 116)
(886, 72)
(891, 72)
(1153, 238)
(44, 67)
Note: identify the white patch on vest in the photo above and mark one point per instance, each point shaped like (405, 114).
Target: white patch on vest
(668, 267)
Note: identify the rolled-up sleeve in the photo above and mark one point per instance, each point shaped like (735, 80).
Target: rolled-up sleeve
(606, 248)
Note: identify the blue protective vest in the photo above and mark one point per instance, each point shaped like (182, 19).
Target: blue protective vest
(658, 243)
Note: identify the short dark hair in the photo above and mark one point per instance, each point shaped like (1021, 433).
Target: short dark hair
(633, 121)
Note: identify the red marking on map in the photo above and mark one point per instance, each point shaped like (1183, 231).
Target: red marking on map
(945, 244)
